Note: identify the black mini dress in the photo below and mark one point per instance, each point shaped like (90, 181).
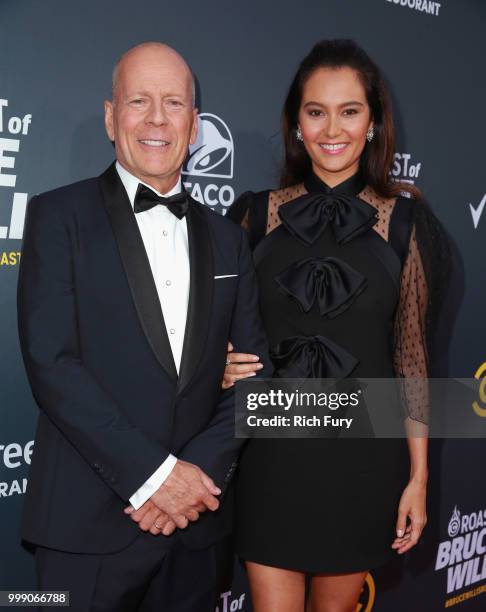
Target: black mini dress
(342, 293)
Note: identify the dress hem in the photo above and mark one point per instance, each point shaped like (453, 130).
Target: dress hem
(344, 569)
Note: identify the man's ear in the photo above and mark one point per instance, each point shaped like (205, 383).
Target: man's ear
(110, 129)
(195, 124)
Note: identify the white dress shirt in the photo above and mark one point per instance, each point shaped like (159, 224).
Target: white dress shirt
(165, 239)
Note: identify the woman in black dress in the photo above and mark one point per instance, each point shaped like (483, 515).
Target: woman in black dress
(339, 254)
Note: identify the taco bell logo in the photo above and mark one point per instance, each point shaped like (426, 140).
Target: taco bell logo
(212, 153)
(211, 157)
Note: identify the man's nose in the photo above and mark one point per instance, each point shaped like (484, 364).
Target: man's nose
(157, 114)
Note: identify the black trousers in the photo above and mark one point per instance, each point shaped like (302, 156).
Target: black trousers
(152, 574)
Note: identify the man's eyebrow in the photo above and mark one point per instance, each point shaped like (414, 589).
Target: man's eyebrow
(148, 94)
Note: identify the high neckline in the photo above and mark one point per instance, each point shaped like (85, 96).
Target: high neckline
(350, 187)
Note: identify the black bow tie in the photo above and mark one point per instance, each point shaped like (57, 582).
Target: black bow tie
(308, 216)
(145, 199)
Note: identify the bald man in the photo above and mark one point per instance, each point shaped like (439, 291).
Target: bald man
(129, 291)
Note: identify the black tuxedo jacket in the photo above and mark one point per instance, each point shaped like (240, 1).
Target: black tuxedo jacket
(101, 369)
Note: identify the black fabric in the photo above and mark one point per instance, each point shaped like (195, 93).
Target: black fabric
(327, 281)
(145, 199)
(308, 216)
(253, 206)
(342, 510)
(150, 575)
(339, 205)
(401, 227)
(384, 253)
(435, 252)
(137, 268)
(311, 357)
(352, 186)
(100, 366)
(201, 294)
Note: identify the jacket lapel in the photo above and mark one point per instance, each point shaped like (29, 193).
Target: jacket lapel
(200, 293)
(137, 268)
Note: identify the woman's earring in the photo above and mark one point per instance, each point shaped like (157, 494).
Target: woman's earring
(370, 134)
(298, 134)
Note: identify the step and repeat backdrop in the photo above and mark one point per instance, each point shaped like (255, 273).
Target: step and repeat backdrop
(55, 70)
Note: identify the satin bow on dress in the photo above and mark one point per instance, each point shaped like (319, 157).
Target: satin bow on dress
(328, 282)
(307, 216)
(325, 283)
(311, 357)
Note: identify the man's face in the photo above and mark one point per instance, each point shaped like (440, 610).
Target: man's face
(151, 118)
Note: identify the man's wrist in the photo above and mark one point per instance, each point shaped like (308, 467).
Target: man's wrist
(154, 483)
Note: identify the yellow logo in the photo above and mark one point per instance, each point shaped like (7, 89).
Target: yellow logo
(9, 258)
(367, 597)
(481, 375)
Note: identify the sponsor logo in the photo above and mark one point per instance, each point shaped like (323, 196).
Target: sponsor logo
(9, 258)
(12, 131)
(229, 603)
(14, 456)
(211, 157)
(454, 525)
(424, 6)
(464, 553)
(479, 407)
(477, 211)
(405, 169)
(367, 597)
(212, 153)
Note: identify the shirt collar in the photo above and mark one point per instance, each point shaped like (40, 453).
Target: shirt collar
(130, 182)
(350, 187)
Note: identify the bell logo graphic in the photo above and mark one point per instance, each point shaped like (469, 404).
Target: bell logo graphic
(212, 153)
(454, 523)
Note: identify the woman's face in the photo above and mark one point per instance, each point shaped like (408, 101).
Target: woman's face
(334, 117)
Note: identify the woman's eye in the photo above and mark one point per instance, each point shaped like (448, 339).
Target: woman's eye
(314, 112)
(350, 111)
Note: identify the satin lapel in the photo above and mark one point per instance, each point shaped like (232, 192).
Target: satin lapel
(200, 292)
(137, 267)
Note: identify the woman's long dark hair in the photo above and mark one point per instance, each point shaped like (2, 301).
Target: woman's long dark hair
(377, 158)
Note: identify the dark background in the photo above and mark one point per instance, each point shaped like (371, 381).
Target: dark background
(55, 64)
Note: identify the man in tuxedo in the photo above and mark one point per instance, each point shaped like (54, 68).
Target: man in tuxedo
(129, 291)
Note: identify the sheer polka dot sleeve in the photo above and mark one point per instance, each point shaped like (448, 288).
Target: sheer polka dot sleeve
(410, 346)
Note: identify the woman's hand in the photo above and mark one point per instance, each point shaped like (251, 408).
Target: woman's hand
(412, 507)
(240, 365)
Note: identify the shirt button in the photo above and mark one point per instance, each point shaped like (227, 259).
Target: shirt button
(165, 233)
(168, 283)
(172, 330)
